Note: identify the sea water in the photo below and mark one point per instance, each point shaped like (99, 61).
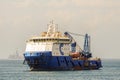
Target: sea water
(15, 70)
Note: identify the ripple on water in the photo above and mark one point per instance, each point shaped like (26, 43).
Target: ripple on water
(15, 70)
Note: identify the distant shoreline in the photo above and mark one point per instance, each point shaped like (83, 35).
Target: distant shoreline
(11, 59)
(101, 59)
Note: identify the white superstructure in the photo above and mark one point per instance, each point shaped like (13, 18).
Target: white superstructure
(52, 40)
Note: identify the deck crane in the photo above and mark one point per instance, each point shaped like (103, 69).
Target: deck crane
(86, 50)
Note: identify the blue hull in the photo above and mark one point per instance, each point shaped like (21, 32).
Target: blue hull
(45, 61)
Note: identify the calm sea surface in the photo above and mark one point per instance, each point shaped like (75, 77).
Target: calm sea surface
(15, 70)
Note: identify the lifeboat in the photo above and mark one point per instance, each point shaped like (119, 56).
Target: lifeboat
(75, 54)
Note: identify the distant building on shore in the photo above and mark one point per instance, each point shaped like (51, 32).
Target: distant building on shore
(15, 56)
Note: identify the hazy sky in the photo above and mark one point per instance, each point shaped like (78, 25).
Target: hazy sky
(20, 19)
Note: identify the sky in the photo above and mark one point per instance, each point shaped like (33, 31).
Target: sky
(21, 19)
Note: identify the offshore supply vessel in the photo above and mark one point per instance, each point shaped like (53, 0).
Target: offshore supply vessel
(52, 50)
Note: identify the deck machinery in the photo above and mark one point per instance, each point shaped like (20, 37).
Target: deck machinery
(54, 51)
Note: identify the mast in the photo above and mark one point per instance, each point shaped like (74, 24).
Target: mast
(52, 29)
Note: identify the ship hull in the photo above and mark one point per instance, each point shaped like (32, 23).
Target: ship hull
(45, 61)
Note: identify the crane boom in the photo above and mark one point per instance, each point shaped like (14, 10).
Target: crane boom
(73, 42)
(86, 50)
